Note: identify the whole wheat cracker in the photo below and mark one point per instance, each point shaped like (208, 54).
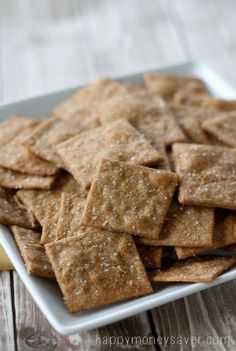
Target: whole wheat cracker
(150, 256)
(196, 270)
(16, 180)
(129, 198)
(87, 99)
(166, 85)
(97, 268)
(12, 212)
(17, 157)
(207, 175)
(117, 141)
(12, 126)
(69, 215)
(53, 131)
(222, 127)
(49, 231)
(224, 235)
(186, 226)
(34, 256)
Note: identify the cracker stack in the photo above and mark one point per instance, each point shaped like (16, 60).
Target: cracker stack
(124, 185)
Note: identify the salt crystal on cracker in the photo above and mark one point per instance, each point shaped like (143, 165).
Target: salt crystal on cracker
(128, 198)
(97, 268)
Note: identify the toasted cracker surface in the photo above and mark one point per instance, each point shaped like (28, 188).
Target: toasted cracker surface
(128, 198)
(69, 216)
(224, 235)
(97, 268)
(16, 180)
(12, 212)
(151, 256)
(204, 100)
(222, 127)
(88, 98)
(207, 175)
(50, 221)
(166, 85)
(36, 260)
(116, 141)
(194, 270)
(186, 226)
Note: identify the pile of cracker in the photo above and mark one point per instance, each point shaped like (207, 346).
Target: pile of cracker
(122, 186)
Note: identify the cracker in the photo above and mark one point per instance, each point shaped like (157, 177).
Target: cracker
(224, 235)
(151, 256)
(186, 226)
(195, 270)
(207, 175)
(12, 126)
(88, 98)
(34, 256)
(222, 127)
(12, 212)
(50, 221)
(116, 141)
(97, 268)
(204, 101)
(145, 112)
(166, 85)
(36, 200)
(17, 157)
(128, 198)
(190, 119)
(69, 216)
(16, 180)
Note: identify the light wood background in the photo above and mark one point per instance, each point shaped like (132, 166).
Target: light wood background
(49, 45)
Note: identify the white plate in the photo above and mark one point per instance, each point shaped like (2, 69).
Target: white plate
(46, 293)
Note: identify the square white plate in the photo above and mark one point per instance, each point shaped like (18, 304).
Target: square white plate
(46, 293)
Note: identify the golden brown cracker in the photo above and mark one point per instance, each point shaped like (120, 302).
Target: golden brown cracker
(116, 141)
(12, 212)
(128, 198)
(196, 270)
(49, 232)
(34, 256)
(207, 175)
(97, 268)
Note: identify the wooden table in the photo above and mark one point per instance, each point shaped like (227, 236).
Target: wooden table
(50, 45)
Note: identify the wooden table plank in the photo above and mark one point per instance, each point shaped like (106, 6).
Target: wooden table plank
(209, 318)
(6, 317)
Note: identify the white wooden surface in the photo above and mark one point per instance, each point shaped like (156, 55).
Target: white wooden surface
(49, 45)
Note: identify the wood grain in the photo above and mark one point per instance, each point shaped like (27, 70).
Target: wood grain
(6, 317)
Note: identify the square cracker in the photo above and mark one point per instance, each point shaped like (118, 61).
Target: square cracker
(69, 216)
(50, 221)
(196, 270)
(166, 85)
(186, 226)
(36, 260)
(151, 256)
(207, 175)
(88, 98)
(16, 180)
(36, 200)
(97, 268)
(222, 127)
(128, 198)
(12, 212)
(15, 156)
(12, 126)
(53, 131)
(224, 235)
(117, 141)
